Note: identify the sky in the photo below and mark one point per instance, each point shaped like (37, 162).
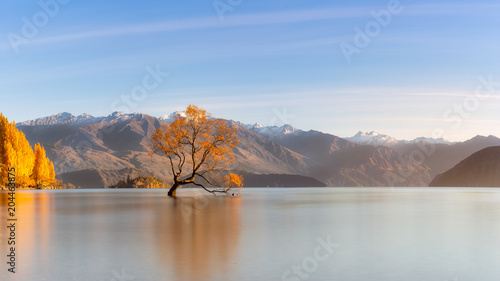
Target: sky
(402, 68)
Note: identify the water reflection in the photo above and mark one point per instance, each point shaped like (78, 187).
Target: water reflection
(34, 229)
(199, 236)
(413, 235)
(89, 235)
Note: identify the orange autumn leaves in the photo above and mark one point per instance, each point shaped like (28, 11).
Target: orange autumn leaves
(32, 168)
(198, 147)
(233, 180)
(43, 170)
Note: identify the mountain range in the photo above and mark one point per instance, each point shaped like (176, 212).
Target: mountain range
(92, 151)
(376, 139)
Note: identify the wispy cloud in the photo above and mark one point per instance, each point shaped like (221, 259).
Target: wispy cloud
(256, 19)
(207, 23)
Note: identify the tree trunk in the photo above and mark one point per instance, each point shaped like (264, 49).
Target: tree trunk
(172, 190)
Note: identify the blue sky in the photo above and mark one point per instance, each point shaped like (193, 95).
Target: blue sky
(271, 62)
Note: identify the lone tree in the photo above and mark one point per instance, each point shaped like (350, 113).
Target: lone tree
(198, 147)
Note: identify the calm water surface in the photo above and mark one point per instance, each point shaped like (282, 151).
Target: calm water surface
(266, 234)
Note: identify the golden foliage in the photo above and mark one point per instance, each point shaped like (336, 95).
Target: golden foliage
(196, 145)
(15, 151)
(234, 180)
(43, 170)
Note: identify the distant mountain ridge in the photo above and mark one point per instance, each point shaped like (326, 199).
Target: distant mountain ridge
(70, 119)
(376, 139)
(273, 131)
(114, 144)
(373, 138)
(340, 162)
(442, 157)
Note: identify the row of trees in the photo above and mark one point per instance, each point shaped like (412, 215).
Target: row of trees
(140, 182)
(33, 168)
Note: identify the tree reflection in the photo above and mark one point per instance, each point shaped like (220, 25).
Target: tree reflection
(199, 237)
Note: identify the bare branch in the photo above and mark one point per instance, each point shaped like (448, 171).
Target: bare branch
(201, 185)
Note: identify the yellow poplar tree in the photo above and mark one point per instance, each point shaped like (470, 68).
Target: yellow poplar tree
(15, 151)
(7, 152)
(25, 161)
(52, 173)
(43, 170)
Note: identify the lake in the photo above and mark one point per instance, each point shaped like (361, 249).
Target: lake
(294, 234)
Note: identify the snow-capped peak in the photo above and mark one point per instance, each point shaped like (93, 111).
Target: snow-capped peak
(169, 118)
(117, 114)
(373, 138)
(251, 127)
(60, 118)
(256, 126)
(70, 119)
(429, 140)
(287, 129)
(84, 116)
(376, 139)
(273, 131)
(370, 134)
